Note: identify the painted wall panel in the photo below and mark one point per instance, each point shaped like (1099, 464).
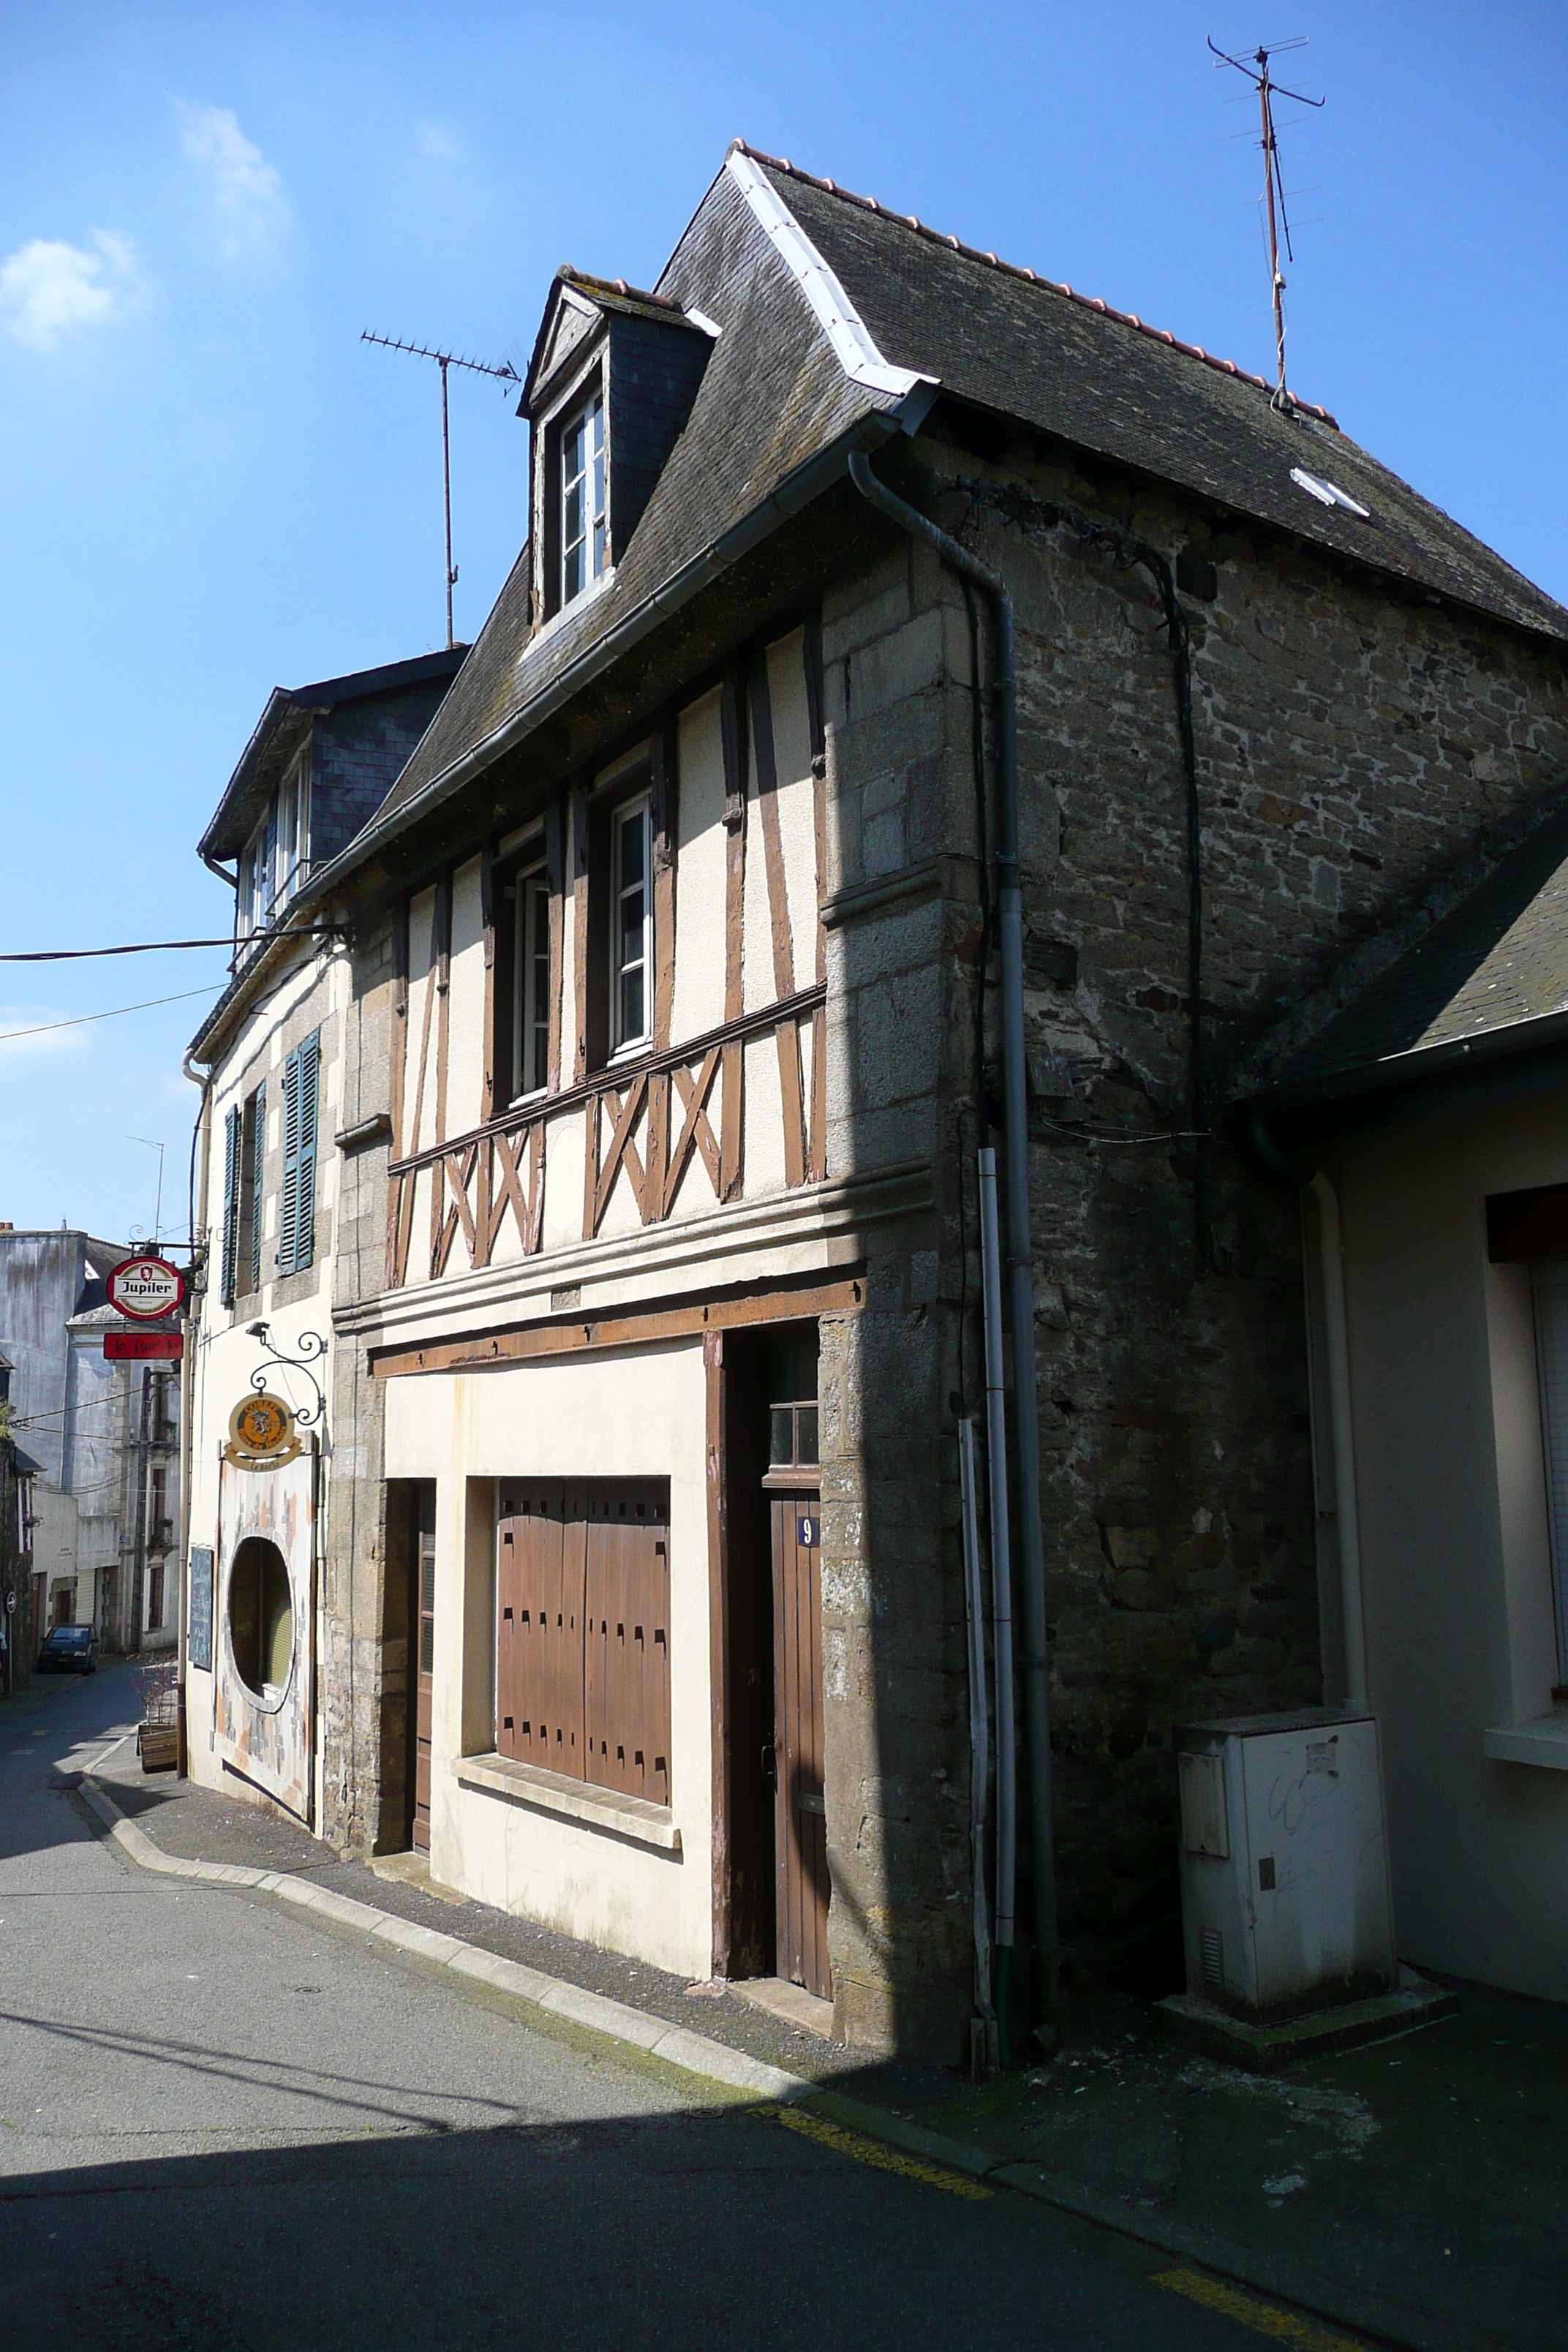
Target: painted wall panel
(698, 1004)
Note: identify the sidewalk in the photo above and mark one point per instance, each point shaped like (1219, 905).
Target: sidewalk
(1415, 2191)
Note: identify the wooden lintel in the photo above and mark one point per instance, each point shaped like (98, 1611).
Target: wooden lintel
(632, 1328)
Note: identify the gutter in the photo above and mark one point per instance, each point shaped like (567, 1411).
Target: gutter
(1020, 1272)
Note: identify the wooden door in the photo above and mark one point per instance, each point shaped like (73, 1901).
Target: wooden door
(800, 1815)
(423, 1616)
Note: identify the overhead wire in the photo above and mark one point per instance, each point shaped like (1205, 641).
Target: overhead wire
(79, 1020)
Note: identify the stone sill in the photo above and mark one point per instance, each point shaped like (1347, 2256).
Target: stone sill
(631, 1818)
(1544, 1741)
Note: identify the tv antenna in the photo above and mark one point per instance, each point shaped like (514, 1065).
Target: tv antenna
(504, 373)
(1267, 90)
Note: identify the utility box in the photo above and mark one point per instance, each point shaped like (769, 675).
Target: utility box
(1285, 1904)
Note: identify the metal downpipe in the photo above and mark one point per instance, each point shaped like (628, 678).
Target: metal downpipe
(1031, 1545)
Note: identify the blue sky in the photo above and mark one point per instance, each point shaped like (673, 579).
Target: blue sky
(208, 486)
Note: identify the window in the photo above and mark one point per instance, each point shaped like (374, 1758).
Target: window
(261, 1618)
(631, 931)
(297, 1203)
(584, 539)
(583, 1631)
(252, 1161)
(277, 857)
(1549, 1281)
(155, 1596)
(531, 981)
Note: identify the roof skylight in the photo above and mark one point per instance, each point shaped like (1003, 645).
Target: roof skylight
(1327, 493)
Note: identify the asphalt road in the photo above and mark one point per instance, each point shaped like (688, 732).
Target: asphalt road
(221, 2125)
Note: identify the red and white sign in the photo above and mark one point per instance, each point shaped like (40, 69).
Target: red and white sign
(145, 1288)
(143, 1347)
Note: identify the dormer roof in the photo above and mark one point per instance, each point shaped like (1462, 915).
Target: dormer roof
(574, 313)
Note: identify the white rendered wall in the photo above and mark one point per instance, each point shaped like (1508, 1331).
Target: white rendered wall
(638, 1414)
(1454, 1562)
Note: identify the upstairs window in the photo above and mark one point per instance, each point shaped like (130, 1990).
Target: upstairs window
(531, 982)
(583, 537)
(277, 857)
(631, 932)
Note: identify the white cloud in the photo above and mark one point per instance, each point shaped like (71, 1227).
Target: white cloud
(246, 192)
(49, 290)
(437, 145)
(32, 1029)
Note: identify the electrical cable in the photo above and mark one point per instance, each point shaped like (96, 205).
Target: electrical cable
(140, 947)
(79, 1020)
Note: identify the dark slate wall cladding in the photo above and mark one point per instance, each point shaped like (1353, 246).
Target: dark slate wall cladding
(360, 751)
(654, 374)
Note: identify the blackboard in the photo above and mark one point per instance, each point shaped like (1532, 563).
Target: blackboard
(199, 1640)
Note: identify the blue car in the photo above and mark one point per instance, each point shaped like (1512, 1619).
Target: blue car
(69, 1650)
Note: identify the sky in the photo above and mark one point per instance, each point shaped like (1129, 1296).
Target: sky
(210, 487)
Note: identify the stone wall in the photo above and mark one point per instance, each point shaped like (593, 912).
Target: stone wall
(356, 1662)
(1353, 738)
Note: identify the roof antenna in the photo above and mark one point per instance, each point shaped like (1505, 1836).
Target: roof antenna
(505, 373)
(1273, 185)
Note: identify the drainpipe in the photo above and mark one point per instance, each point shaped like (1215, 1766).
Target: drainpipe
(198, 1218)
(1002, 1591)
(1031, 1547)
(1337, 1343)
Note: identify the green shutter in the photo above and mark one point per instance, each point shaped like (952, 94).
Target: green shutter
(296, 1209)
(289, 1202)
(257, 1195)
(305, 1192)
(230, 1205)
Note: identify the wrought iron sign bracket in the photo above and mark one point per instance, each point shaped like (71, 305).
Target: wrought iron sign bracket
(311, 1348)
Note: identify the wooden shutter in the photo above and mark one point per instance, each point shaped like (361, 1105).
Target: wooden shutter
(230, 1205)
(297, 1208)
(289, 1199)
(583, 1632)
(258, 1196)
(309, 1055)
(626, 1706)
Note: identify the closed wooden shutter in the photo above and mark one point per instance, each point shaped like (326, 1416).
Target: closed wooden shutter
(289, 1197)
(1550, 1282)
(626, 1665)
(258, 1165)
(296, 1205)
(230, 1205)
(583, 1631)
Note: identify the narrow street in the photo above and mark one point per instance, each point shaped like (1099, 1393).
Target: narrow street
(221, 2123)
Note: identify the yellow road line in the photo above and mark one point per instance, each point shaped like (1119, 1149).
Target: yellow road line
(1263, 2318)
(873, 2152)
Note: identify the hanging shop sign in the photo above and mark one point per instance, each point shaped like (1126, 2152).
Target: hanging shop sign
(145, 1287)
(143, 1347)
(261, 1433)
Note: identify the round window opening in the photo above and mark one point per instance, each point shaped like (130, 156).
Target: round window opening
(261, 1618)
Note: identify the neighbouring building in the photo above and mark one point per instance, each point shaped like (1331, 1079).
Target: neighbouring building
(664, 1016)
(79, 1419)
(1422, 1106)
(281, 1047)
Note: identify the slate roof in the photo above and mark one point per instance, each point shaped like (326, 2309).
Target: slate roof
(774, 396)
(1489, 971)
(1102, 379)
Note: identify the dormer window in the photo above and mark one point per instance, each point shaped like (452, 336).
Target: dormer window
(585, 544)
(277, 857)
(612, 382)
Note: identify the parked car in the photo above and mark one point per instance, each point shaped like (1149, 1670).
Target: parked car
(69, 1650)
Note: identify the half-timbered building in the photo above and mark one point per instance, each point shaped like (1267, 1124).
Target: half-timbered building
(930, 710)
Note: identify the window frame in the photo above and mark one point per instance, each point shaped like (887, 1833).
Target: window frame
(593, 539)
(620, 1040)
(527, 887)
